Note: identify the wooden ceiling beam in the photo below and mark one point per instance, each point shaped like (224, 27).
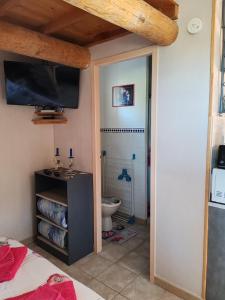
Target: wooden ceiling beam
(169, 7)
(23, 41)
(136, 16)
(65, 20)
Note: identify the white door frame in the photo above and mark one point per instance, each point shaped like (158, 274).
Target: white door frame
(96, 143)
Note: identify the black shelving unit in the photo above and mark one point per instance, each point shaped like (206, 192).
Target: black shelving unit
(77, 195)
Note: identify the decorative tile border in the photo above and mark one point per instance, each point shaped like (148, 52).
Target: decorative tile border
(123, 130)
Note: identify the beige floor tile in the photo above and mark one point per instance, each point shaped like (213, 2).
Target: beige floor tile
(40, 251)
(31, 245)
(105, 242)
(117, 277)
(143, 289)
(119, 297)
(49, 256)
(29, 242)
(71, 270)
(135, 263)
(132, 243)
(143, 235)
(94, 265)
(113, 252)
(168, 296)
(104, 291)
(78, 274)
(84, 259)
(111, 279)
(60, 264)
(144, 249)
(146, 276)
(141, 228)
(143, 231)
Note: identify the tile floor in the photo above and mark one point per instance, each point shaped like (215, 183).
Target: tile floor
(119, 272)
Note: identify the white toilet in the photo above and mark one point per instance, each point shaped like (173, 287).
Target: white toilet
(109, 206)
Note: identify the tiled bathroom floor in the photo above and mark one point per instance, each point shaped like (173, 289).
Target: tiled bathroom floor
(119, 272)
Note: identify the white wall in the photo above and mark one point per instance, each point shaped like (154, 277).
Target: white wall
(25, 148)
(76, 133)
(124, 145)
(127, 72)
(183, 97)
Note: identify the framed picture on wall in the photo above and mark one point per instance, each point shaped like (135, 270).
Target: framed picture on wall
(123, 95)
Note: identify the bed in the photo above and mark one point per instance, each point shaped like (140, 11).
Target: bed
(35, 271)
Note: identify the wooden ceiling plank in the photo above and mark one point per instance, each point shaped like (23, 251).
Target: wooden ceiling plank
(49, 9)
(63, 21)
(107, 36)
(6, 5)
(136, 16)
(169, 8)
(73, 29)
(23, 41)
(32, 13)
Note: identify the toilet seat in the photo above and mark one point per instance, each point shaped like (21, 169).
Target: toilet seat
(110, 201)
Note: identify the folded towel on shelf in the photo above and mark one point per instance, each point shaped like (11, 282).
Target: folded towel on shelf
(53, 211)
(10, 261)
(58, 287)
(52, 233)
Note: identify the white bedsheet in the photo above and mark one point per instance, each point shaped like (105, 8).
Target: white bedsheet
(35, 271)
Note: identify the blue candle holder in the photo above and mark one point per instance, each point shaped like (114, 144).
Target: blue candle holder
(71, 153)
(70, 173)
(57, 159)
(71, 159)
(57, 152)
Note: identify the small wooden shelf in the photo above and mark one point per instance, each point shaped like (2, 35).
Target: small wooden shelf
(46, 241)
(43, 121)
(49, 117)
(55, 195)
(40, 217)
(54, 113)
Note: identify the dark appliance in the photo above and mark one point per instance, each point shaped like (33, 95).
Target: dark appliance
(41, 84)
(221, 157)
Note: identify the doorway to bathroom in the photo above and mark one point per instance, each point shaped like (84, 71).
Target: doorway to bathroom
(124, 100)
(124, 121)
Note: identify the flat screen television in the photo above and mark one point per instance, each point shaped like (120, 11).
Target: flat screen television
(39, 84)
